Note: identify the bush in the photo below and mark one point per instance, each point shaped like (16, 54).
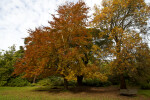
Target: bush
(72, 83)
(45, 82)
(2, 83)
(96, 82)
(57, 81)
(51, 81)
(18, 82)
(145, 86)
(33, 84)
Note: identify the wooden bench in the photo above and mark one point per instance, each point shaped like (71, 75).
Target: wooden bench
(128, 92)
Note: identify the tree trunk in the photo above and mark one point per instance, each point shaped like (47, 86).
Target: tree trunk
(79, 80)
(34, 79)
(122, 78)
(65, 84)
(122, 82)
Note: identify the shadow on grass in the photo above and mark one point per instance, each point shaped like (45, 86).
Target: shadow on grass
(57, 89)
(80, 89)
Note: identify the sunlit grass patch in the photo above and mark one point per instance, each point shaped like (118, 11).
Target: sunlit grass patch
(145, 92)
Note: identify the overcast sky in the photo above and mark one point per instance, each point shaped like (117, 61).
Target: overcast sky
(17, 16)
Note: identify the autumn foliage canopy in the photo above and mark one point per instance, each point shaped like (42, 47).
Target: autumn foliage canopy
(62, 48)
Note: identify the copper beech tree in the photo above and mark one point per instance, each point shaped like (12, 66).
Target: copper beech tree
(123, 22)
(62, 48)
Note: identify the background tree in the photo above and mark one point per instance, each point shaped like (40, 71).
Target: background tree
(7, 62)
(142, 63)
(122, 21)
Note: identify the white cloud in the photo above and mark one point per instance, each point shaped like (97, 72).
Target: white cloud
(16, 16)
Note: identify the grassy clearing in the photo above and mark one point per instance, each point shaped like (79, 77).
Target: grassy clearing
(85, 93)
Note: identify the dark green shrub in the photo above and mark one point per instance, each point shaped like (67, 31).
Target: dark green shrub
(33, 84)
(96, 82)
(18, 82)
(45, 82)
(72, 83)
(91, 82)
(145, 86)
(51, 81)
(107, 83)
(57, 81)
(2, 83)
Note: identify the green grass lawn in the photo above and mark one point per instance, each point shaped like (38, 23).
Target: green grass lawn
(45, 93)
(144, 92)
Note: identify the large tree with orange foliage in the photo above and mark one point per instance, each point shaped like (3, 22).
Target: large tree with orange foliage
(62, 48)
(122, 22)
